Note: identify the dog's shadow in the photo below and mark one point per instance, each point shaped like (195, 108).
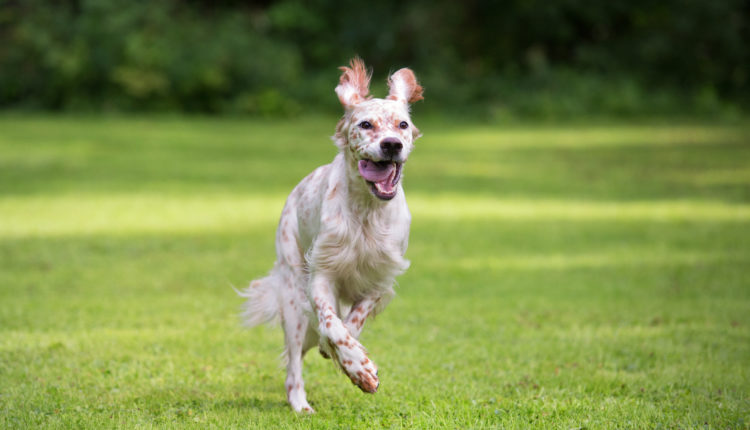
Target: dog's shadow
(162, 402)
(249, 403)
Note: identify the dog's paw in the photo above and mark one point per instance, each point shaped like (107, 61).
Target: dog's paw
(324, 354)
(367, 379)
(325, 348)
(352, 358)
(303, 409)
(298, 401)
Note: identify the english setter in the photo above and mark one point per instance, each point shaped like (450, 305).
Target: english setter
(342, 236)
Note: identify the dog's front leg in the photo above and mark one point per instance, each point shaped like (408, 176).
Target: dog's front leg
(338, 343)
(358, 314)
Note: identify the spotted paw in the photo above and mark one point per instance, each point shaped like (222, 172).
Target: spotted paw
(367, 381)
(352, 358)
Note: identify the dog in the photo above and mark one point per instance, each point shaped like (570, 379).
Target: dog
(342, 235)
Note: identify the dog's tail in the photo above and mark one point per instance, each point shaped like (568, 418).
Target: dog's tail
(262, 305)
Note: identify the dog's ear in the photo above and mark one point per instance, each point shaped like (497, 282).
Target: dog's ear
(403, 86)
(354, 84)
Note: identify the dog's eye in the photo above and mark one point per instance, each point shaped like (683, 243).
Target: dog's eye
(404, 125)
(365, 125)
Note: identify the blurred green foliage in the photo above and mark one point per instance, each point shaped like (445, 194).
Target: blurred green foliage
(519, 57)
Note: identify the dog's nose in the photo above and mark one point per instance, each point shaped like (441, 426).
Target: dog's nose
(391, 147)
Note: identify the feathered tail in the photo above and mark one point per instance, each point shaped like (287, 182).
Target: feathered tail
(262, 305)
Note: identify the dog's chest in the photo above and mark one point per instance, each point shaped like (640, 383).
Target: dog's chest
(367, 249)
(361, 256)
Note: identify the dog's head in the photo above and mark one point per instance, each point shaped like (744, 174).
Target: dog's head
(377, 135)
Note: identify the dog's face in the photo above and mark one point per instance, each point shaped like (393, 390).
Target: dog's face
(377, 134)
(380, 137)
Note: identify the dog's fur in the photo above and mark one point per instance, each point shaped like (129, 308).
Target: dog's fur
(341, 239)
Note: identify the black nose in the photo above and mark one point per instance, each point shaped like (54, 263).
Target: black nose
(391, 147)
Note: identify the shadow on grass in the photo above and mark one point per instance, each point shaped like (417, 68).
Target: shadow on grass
(196, 399)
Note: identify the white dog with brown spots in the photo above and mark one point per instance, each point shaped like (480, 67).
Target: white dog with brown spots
(342, 235)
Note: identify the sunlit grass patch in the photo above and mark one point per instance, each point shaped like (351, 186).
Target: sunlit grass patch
(475, 208)
(129, 213)
(70, 214)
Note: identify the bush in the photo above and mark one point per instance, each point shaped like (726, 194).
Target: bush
(543, 58)
(140, 55)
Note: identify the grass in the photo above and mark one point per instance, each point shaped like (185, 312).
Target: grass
(579, 276)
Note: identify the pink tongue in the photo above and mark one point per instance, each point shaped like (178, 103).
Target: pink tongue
(375, 172)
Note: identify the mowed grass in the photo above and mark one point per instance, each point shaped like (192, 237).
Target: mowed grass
(562, 277)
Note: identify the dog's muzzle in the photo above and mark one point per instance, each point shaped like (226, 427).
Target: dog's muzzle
(382, 176)
(391, 148)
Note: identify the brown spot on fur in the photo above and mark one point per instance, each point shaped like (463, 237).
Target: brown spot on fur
(328, 324)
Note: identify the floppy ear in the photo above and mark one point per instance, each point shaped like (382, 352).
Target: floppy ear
(353, 87)
(403, 86)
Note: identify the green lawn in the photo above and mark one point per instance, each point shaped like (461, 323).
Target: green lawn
(580, 276)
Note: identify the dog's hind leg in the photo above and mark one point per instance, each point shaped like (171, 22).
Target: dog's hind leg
(295, 324)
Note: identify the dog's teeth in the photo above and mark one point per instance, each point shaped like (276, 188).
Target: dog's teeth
(380, 189)
(383, 191)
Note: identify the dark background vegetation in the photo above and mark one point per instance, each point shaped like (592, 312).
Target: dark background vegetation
(534, 58)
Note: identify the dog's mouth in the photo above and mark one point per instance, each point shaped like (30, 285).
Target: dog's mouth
(382, 176)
